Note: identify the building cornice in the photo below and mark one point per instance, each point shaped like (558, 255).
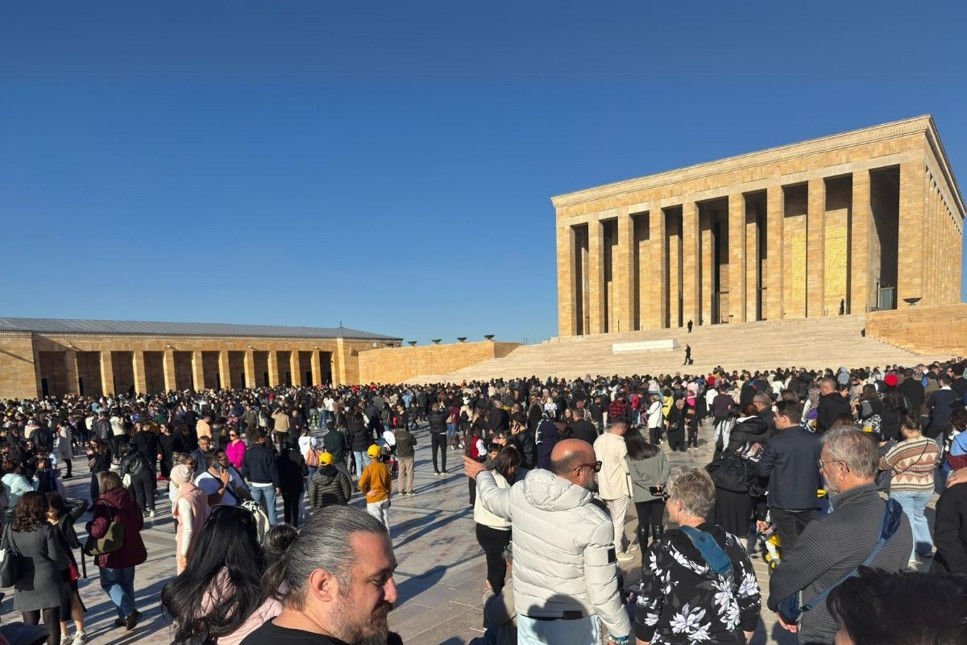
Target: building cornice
(916, 125)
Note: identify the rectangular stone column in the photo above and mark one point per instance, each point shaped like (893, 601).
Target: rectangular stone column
(773, 266)
(294, 368)
(317, 367)
(737, 259)
(654, 297)
(107, 374)
(168, 365)
(596, 273)
(197, 370)
(137, 366)
(705, 272)
(70, 368)
(910, 247)
(566, 287)
(691, 303)
(815, 243)
(861, 216)
(273, 368)
(249, 368)
(753, 255)
(225, 370)
(623, 259)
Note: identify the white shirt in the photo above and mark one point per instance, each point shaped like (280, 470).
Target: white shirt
(210, 484)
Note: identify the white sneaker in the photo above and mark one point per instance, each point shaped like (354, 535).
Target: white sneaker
(66, 639)
(80, 638)
(151, 513)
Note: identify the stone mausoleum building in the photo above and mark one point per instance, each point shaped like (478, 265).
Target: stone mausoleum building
(850, 223)
(41, 356)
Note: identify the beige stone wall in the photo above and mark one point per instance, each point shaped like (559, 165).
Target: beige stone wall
(821, 245)
(395, 365)
(154, 363)
(926, 330)
(17, 366)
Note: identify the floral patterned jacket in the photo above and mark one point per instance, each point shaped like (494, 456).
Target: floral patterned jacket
(682, 600)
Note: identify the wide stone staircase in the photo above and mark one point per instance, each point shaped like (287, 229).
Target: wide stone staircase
(812, 343)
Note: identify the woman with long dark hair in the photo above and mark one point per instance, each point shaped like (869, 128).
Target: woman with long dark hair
(62, 516)
(648, 470)
(39, 588)
(214, 596)
(494, 533)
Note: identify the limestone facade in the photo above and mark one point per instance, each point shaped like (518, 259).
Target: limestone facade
(398, 364)
(854, 222)
(933, 330)
(34, 364)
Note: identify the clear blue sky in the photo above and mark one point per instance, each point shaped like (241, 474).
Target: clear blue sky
(389, 164)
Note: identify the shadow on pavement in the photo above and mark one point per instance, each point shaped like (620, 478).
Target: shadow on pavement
(426, 524)
(412, 587)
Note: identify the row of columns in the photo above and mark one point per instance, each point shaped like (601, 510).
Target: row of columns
(226, 377)
(696, 251)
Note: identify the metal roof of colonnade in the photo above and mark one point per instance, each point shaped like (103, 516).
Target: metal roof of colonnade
(149, 328)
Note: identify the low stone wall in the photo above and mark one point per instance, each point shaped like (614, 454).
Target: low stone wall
(397, 364)
(925, 330)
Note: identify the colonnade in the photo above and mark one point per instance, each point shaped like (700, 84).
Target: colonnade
(822, 242)
(105, 371)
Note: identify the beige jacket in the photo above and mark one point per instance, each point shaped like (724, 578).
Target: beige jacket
(611, 451)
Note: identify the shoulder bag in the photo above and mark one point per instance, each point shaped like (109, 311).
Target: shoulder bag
(791, 609)
(715, 556)
(111, 541)
(9, 560)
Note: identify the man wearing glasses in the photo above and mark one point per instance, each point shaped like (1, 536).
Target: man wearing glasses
(565, 571)
(832, 546)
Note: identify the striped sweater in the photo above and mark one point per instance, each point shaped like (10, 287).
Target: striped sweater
(911, 463)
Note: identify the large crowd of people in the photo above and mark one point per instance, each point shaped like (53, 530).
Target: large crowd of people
(554, 468)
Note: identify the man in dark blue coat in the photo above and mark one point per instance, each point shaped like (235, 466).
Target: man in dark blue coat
(789, 461)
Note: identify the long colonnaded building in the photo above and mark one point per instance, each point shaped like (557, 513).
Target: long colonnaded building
(42, 356)
(849, 223)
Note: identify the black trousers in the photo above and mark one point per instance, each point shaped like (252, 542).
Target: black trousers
(439, 444)
(95, 486)
(790, 524)
(654, 435)
(142, 487)
(650, 514)
(493, 542)
(290, 507)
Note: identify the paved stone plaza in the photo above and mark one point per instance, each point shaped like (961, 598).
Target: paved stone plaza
(441, 570)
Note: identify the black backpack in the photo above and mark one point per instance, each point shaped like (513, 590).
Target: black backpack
(730, 472)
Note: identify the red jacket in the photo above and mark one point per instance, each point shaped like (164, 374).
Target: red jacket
(119, 502)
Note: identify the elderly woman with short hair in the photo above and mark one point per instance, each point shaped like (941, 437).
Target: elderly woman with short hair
(697, 583)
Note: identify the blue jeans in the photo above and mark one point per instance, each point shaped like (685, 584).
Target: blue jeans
(451, 430)
(119, 585)
(913, 505)
(585, 631)
(265, 496)
(359, 456)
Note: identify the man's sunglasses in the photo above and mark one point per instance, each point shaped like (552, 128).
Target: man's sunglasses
(595, 466)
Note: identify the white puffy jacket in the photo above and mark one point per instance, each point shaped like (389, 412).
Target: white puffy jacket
(564, 558)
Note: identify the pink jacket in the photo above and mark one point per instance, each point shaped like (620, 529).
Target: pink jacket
(235, 451)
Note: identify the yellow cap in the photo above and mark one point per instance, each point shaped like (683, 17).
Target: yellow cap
(373, 451)
(325, 459)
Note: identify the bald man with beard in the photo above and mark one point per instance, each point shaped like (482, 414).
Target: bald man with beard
(565, 576)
